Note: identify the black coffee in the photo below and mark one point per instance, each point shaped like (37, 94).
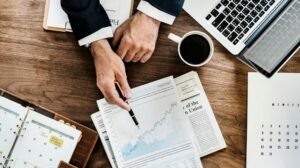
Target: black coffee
(195, 49)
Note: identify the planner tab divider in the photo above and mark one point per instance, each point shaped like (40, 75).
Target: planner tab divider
(84, 147)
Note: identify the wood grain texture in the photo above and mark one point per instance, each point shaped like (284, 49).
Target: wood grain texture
(51, 70)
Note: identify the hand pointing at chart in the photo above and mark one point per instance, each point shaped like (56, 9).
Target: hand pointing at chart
(133, 41)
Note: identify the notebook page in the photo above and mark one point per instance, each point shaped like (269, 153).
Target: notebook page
(118, 11)
(56, 16)
(44, 143)
(11, 115)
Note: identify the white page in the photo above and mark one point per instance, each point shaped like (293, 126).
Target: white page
(56, 16)
(118, 12)
(273, 121)
(163, 140)
(206, 131)
(44, 143)
(98, 122)
(11, 116)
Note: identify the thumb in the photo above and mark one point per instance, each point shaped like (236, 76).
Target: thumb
(117, 37)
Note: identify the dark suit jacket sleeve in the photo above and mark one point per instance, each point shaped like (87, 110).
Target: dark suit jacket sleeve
(172, 7)
(86, 16)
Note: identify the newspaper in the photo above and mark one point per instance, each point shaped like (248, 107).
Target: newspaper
(207, 134)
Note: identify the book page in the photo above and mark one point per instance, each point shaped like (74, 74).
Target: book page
(163, 138)
(273, 128)
(44, 142)
(11, 116)
(206, 131)
(118, 11)
(98, 122)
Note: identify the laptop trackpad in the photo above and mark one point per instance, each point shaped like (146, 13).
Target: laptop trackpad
(276, 43)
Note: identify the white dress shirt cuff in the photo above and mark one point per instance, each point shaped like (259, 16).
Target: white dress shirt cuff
(155, 13)
(103, 33)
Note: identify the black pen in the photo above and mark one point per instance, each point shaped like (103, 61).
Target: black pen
(130, 111)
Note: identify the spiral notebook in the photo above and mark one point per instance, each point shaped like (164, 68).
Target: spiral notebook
(30, 139)
(273, 121)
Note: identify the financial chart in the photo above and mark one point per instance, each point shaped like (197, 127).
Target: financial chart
(160, 128)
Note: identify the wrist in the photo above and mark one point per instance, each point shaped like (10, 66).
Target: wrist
(149, 18)
(99, 46)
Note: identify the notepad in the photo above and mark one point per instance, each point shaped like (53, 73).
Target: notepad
(273, 121)
(56, 19)
(30, 139)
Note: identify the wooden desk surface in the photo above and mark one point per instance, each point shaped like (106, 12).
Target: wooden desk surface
(50, 69)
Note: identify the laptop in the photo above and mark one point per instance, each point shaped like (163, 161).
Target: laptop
(264, 34)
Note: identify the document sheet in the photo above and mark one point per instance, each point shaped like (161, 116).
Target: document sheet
(118, 12)
(273, 121)
(98, 122)
(164, 137)
(206, 131)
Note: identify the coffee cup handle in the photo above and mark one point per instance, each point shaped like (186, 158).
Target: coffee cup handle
(174, 38)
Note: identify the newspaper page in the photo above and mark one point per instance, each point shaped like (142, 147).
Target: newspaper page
(98, 122)
(163, 138)
(207, 134)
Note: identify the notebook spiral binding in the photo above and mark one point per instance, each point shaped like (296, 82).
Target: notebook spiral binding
(22, 128)
(18, 134)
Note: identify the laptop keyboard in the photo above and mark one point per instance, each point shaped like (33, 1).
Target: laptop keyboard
(278, 40)
(234, 18)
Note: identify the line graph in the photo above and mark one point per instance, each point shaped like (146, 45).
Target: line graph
(148, 140)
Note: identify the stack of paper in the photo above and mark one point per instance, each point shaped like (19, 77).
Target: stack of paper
(177, 126)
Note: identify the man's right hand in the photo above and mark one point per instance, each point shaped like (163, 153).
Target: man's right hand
(110, 69)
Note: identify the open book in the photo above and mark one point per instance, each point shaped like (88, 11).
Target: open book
(56, 19)
(201, 121)
(30, 139)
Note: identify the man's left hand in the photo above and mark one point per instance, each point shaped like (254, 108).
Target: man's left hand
(136, 38)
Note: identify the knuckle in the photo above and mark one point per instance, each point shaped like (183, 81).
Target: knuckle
(150, 49)
(143, 48)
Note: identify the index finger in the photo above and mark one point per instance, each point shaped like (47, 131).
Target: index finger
(111, 94)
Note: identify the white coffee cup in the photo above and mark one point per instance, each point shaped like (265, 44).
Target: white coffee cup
(179, 40)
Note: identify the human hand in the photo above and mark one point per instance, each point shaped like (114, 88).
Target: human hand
(137, 38)
(110, 69)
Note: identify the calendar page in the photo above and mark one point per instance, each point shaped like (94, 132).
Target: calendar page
(273, 121)
(44, 142)
(11, 117)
